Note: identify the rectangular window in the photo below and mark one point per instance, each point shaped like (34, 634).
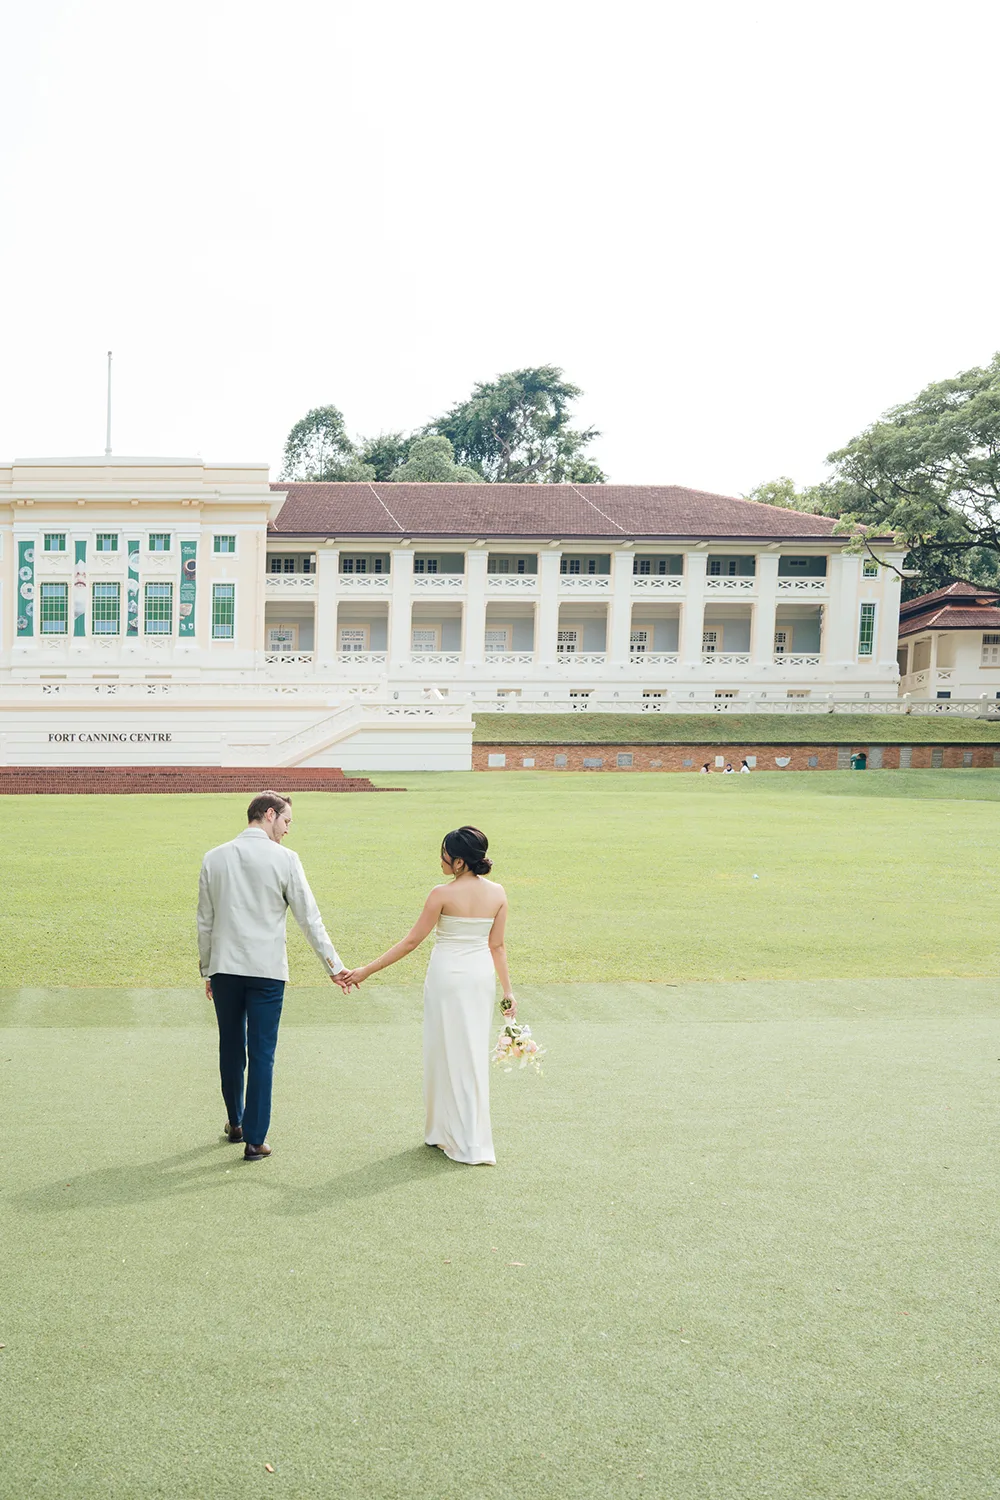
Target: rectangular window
(425, 639)
(870, 568)
(355, 565)
(653, 693)
(566, 641)
(54, 608)
(638, 642)
(780, 642)
(709, 642)
(425, 565)
(354, 638)
(991, 650)
(159, 541)
(105, 614)
(282, 638)
(797, 693)
(55, 541)
(309, 564)
(623, 761)
(159, 609)
(866, 630)
(570, 565)
(224, 544)
(725, 693)
(496, 640)
(107, 541)
(508, 692)
(223, 610)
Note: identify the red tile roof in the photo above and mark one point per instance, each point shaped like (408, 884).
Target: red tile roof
(958, 592)
(535, 510)
(952, 618)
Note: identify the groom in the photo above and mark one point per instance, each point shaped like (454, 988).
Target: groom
(245, 891)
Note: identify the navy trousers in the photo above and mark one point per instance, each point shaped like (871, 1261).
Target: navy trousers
(248, 1012)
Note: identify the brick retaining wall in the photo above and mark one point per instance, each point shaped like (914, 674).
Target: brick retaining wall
(693, 757)
(114, 780)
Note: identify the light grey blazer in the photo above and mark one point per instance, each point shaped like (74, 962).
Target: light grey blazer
(246, 889)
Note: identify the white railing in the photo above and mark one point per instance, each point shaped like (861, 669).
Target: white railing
(435, 658)
(288, 658)
(730, 585)
(598, 583)
(439, 581)
(726, 658)
(581, 658)
(359, 659)
(289, 583)
(802, 585)
(507, 659)
(364, 583)
(654, 659)
(658, 583)
(796, 659)
(511, 583)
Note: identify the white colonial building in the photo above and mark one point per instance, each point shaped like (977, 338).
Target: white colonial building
(949, 644)
(172, 611)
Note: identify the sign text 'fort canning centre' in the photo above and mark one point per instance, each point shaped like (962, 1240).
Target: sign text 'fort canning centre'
(170, 611)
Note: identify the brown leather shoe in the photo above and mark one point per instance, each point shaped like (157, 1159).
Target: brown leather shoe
(256, 1153)
(233, 1132)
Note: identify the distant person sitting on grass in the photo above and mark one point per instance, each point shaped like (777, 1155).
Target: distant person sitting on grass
(729, 769)
(744, 766)
(244, 894)
(705, 769)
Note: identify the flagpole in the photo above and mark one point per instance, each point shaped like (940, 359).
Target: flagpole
(107, 445)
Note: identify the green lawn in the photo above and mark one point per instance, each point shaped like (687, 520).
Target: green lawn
(741, 1240)
(732, 729)
(624, 877)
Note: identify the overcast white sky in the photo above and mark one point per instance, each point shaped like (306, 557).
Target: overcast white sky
(743, 230)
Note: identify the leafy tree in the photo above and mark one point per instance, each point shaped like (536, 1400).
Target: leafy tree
(432, 461)
(927, 473)
(515, 430)
(385, 453)
(318, 448)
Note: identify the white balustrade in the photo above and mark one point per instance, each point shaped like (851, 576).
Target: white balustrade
(287, 659)
(661, 583)
(585, 583)
(726, 585)
(726, 658)
(361, 658)
(796, 659)
(439, 582)
(512, 583)
(364, 583)
(654, 659)
(801, 585)
(508, 659)
(581, 659)
(435, 658)
(289, 583)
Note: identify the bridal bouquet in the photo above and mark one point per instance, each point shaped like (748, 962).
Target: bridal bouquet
(515, 1044)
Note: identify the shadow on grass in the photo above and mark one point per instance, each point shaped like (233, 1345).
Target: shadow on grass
(191, 1172)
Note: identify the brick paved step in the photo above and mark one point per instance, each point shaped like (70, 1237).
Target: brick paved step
(121, 780)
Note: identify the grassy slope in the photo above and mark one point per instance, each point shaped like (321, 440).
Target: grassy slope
(635, 878)
(731, 729)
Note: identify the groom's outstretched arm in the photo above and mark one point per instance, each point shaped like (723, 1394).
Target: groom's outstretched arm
(303, 907)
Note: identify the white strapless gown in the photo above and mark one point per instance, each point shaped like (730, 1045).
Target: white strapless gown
(459, 996)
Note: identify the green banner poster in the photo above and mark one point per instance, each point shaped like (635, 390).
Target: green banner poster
(25, 588)
(79, 588)
(132, 589)
(188, 589)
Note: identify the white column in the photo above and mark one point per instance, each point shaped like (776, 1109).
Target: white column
(400, 610)
(840, 622)
(693, 608)
(547, 620)
(888, 614)
(620, 614)
(327, 577)
(476, 560)
(765, 610)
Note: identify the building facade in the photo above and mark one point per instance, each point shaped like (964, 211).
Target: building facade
(949, 643)
(172, 611)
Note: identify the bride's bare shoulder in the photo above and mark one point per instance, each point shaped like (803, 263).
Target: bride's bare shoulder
(497, 887)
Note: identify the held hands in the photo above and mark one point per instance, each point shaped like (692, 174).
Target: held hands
(348, 979)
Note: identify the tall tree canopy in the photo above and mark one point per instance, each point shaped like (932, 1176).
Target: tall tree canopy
(927, 473)
(432, 461)
(516, 430)
(318, 448)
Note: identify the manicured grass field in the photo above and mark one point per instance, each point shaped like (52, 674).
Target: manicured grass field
(741, 1240)
(732, 729)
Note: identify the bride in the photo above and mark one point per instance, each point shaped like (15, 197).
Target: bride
(469, 915)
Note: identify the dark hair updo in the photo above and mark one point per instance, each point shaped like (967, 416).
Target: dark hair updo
(470, 845)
